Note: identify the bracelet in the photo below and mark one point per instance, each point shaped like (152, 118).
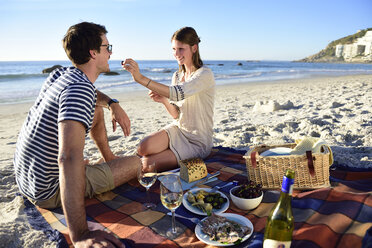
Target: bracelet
(148, 83)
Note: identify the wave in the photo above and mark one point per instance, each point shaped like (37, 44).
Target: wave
(102, 85)
(17, 96)
(237, 75)
(160, 70)
(280, 74)
(7, 77)
(156, 70)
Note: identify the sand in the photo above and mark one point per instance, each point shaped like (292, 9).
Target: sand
(337, 109)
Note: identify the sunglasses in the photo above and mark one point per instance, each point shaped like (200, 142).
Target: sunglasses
(108, 47)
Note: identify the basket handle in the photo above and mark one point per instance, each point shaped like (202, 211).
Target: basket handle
(253, 159)
(310, 163)
(309, 156)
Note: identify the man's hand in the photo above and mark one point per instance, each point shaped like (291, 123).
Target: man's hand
(98, 239)
(118, 115)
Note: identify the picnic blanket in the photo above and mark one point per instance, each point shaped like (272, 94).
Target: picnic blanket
(338, 216)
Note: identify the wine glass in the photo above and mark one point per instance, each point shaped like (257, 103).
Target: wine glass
(171, 194)
(147, 177)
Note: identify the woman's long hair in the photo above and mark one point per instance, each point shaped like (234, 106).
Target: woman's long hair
(188, 35)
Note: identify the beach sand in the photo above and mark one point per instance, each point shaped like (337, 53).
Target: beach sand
(338, 109)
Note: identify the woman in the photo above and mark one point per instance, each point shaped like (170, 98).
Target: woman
(189, 100)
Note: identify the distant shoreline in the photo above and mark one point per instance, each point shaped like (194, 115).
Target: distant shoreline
(235, 84)
(334, 62)
(22, 81)
(204, 60)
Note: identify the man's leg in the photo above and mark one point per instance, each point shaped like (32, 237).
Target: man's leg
(106, 176)
(124, 169)
(54, 202)
(98, 133)
(100, 178)
(121, 169)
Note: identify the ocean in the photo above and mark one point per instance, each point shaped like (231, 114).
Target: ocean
(21, 81)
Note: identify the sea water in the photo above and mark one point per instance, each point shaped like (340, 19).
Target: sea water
(21, 81)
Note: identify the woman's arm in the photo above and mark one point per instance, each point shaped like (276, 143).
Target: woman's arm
(158, 92)
(132, 66)
(172, 109)
(203, 79)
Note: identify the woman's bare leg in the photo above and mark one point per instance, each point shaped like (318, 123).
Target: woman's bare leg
(154, 143)
(165, 160)
(155, 148)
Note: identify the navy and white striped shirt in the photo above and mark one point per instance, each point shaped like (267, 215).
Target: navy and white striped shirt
(67, 94)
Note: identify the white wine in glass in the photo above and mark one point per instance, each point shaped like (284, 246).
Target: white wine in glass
(147, 177)
(171, 194)
(171, 200)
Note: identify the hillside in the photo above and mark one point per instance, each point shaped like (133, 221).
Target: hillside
(329, 53)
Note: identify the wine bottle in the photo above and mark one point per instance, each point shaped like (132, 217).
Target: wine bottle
(280, 222)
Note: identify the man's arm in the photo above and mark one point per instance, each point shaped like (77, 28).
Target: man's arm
(72, 176)
(117, 113)
(103, 99)
(72, 185)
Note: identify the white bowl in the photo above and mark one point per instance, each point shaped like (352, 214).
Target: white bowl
(245, 204)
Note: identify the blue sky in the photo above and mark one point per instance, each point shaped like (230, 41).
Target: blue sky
(141, 29)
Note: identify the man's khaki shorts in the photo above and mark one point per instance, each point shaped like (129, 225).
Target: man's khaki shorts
(98, 179)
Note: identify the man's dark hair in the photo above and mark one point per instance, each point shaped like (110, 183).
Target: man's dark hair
(81, 38)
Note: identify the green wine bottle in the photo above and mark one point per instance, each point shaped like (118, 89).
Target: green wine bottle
(280, 222)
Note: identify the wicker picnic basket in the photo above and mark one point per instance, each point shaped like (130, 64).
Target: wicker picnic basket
(311, 169)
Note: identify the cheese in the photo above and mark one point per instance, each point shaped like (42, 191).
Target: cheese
(192, 169)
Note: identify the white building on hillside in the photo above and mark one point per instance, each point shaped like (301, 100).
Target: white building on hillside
(361, 47)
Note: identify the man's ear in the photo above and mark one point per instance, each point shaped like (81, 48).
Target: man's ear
(93, 53)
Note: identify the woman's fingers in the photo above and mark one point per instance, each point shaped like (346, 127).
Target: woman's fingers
(131, 66)
(128, 64)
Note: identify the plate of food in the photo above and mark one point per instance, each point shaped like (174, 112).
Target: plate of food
(224, 229)
(202, 201)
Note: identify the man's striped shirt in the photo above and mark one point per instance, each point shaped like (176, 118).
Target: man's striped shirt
(67, 94)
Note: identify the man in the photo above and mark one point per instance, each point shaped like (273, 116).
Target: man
(49, 164)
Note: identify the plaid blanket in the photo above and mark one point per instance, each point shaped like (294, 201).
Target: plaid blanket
(339, 216)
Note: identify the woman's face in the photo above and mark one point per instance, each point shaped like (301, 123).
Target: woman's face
(183, 52)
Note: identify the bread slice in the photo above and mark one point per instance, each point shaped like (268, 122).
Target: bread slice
(192, 169)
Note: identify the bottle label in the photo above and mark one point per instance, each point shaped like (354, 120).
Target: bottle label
(287, 185)
(270, 243)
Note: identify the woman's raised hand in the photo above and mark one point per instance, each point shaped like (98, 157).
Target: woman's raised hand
(161, 89)
(132, 66)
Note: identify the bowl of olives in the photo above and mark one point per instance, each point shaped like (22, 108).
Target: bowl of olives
(247, 196)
